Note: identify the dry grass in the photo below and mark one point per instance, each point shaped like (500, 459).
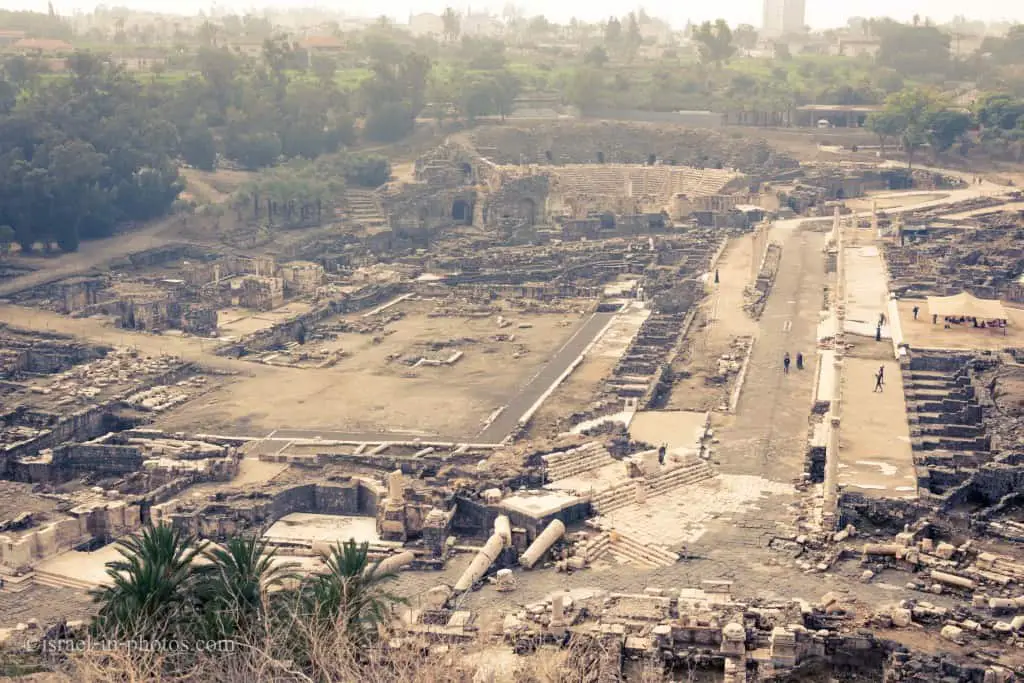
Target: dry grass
(333, 658)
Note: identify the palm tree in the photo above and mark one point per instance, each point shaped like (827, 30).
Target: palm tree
(350, 595)
(235, 591)
(150, 594)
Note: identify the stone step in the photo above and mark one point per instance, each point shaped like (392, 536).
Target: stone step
(631, 551)
(596, 547)
(44, 578)
(625, 493)
(570, 463)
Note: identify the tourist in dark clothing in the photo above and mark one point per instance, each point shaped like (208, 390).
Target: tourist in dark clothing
(917, 309)
(785, 363)
(799, 361)
(880, 379)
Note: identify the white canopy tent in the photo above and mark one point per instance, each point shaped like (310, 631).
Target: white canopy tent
(966, 305)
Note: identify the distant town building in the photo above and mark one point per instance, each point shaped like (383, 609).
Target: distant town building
(480, 25)
(782, 17)
(426, 24)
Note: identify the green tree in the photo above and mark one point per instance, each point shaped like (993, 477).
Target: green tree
(613, 31)
(715, 42)
(945, 128)
(151, 588)
(915, 106)
(1008, 49)
(585, 89)
(198, 147)
(596, 56)
(913, 50)
(236, 590)
(350, 595)
(886, 125)
(1000, 111)
(745, 37)
(251, 149)
(324, 67)
(388, 122)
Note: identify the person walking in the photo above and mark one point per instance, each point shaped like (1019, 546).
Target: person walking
(878, 333)
(716, 276)
(917, 309)
(799, 361)
(785, 363)
(880, 379)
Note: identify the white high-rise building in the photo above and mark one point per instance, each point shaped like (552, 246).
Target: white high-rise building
(782, 17)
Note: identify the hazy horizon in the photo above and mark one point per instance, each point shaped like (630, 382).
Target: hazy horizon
(820, 13)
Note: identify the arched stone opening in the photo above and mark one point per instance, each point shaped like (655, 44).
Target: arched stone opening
(607, 221)
(462, 211)
(528, 211)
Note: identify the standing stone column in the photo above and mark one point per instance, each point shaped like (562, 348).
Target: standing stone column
(829, 513)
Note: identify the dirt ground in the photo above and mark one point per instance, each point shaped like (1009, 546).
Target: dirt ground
(45, 603)
(368, 390)
(719, 324)
(921, 333)
(214, 187)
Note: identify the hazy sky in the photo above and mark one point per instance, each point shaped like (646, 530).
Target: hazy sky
(820, 13)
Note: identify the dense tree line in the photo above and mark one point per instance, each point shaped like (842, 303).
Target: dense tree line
(81, 154)
(90, 148)
(918, 117)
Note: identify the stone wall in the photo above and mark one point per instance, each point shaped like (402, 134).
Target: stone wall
(260, 511)
(78, 426)
(575, 143)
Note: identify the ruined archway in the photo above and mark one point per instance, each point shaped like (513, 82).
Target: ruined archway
(462, 211)
(607, 221)
(527, 211)
(467, 172)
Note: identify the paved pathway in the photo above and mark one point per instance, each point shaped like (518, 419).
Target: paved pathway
(539, 384)
(768, 433)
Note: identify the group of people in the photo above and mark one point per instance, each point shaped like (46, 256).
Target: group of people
(962, 320)
(786, 360)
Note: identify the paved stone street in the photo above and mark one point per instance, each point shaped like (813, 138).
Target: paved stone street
(760, 452)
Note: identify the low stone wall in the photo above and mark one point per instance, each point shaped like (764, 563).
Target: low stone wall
(285, 332)
(104, 520)
(259, 511)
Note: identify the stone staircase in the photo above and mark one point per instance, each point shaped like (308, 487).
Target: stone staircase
(44, 578)
(623, 494)
(626, 550)
(630, 551)
(596, 547)
(363, 207)
(575, 461)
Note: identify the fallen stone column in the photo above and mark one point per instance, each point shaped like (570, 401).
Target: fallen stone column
(887, 549)
(393, 563)
(952, 580)
(542, 543)
(503, 526)
(483, 560)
